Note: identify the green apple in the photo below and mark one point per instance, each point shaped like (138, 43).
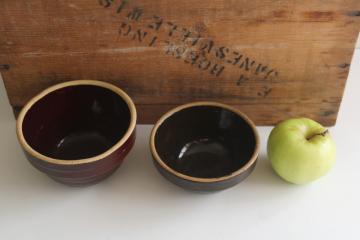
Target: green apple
(301, 150)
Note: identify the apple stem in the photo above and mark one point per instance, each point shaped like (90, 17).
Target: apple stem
(318, 134)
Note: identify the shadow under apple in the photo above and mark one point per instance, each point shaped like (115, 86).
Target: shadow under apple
(263, 174)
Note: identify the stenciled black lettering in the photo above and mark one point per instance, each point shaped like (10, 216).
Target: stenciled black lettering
(169, 48)
(135, 14)
(153, 41)
(204, 64)
(271, 72)
(157, 23)
(188, 45)
(247, 64)
(195, 40)
(173, 28)
(121, 6)
(217, 69)
(179, 51)
(124, 29)
(186, 34)
(191, 57)
(265, 92)
(221, 52)
(139, 35)
(241, 79)
(260, 69)
(206, 45)
(236, 58)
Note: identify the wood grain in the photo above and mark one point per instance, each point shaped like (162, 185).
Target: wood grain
(272, 59)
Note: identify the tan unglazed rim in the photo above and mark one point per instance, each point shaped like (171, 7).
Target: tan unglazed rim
(35, 99)
(196, 179)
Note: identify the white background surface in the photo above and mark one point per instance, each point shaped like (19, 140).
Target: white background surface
(137, 203)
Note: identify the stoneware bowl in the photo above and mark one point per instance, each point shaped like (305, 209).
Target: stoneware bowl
(78, 132)
(204, 146)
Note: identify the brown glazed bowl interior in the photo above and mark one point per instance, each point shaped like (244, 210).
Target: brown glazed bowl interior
(205, 146)
(77, 132)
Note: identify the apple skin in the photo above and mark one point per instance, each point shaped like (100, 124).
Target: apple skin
(301, 150)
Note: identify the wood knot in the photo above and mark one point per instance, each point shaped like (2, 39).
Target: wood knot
(319, 16)
(344, 65)
(4, 67)
(355, 13)
(280, 14)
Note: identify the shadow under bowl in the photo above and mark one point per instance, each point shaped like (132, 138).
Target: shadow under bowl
(205, 146)
(78, 132)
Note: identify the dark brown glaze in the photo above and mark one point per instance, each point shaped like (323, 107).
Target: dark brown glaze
(86, 173)
(205, 146)
(78, 132)
(204, 186)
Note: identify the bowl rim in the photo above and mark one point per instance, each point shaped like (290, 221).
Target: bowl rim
(170, 113)
(35, 99)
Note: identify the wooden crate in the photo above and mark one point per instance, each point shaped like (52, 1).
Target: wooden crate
(273, 59)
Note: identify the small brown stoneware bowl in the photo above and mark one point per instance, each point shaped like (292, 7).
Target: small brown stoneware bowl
(78, 132)
(205, 146)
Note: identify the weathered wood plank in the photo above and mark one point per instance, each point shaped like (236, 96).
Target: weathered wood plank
(272, 59)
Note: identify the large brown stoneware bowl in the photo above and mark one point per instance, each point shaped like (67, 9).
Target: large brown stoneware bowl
(78, 132)
(205, 146)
